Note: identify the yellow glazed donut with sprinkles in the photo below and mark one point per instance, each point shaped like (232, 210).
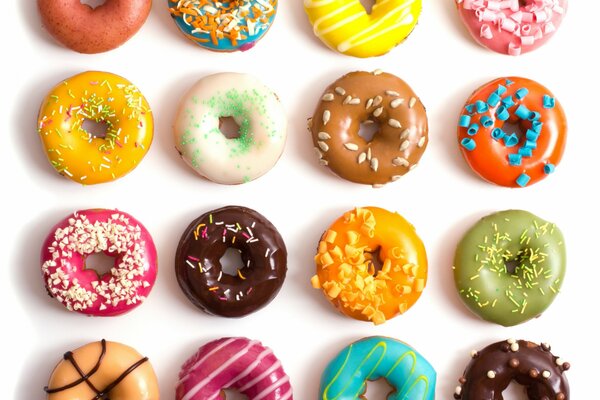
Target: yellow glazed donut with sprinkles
(109, 101)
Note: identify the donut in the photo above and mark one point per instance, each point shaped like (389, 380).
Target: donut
(512, 27)
(373, 358)
(345, 26)
(257, 112)
(234, 363)
(224, 26)
(205, 241)
(533, 366)
(83, 290)
(89, 30)
(102, 370)
(512, 132)
(509, 266)
(364, 98)
(105, 99)
(371, 265)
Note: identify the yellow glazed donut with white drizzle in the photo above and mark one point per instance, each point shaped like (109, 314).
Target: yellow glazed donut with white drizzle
(346, 26)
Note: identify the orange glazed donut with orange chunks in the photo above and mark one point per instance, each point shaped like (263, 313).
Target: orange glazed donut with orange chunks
(371, 264)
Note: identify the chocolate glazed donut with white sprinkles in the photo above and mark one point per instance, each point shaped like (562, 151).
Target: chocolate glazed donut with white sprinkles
(200, 273)
(369, 98)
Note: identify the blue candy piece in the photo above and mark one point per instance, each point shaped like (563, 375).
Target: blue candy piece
(525, 151)
(372, 358)
(468, 144)
(501, 90)
(470, 108)
(521, 93)
(494, 99)
(523, 179)
(549, 168)
(532, 135)
(536, 126)
(508, 102)
(534, 116)
(481, 106)
(464, 121)
(548, 102)
(511, 140)
(498, 133)
(473, 129)
(515, 159)
(486, 121)
(508, 82)
(530, 144)
(502, 113)
(522, 112)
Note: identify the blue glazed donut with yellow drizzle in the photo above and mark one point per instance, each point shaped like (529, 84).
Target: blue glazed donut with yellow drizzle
(225, 25)
(372, 358)
(346, 26)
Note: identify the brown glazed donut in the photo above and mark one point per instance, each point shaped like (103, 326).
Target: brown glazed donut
(492, 369)
(361, 98)
(93, 30)
(204, 242)
(103, 370)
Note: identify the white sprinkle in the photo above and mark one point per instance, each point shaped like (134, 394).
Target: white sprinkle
(66, 171)
(458, 390)
(220, 276)
(267, 252)
(323, 162)
(405, 133)
(404, 145)
(378, 112)
(190, 264)
(514, 347)
(422, 141)
(354, 102)
(323, 146)
(392, 93)
(412, 102)
(396, 177)
(396, 103)
(328, 97)
(318, 153)
(347, 100)
(560, 362)
(474, 353)
(369, 103)
(511, 341)
(377, 72)
(369, 154)
(394, 123)
(326, 117)
(374, 164)
(491, 374)
(340, 91)
(351, 146)
(413, 167)
(377, 101)
(362, 157)
(546, 374)
(324, 136)
(400, 162)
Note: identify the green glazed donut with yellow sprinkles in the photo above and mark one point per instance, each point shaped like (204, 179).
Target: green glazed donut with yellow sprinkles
(509, 267)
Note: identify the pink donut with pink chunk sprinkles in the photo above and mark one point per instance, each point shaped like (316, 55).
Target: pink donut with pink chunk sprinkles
(84, 290)
(512, 27)
(234, 363)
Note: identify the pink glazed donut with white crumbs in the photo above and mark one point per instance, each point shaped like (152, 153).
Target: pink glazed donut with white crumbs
(512, 27)
(241, 364)
(87, 232)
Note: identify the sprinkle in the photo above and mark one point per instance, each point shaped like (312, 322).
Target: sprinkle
(396, 103)
(548, 102)
(464, 121)
(511, 140)
(521, 93)
(525, 152)
(421, 142)
(494, 99)
(361, 158)
(522, 112)
(240, 275)
(340, 91)
(498, 133)
(502, 113)
(491, 374)
(326, 116)
(351, 146)
(377, 72)
(514, 159)
(486, 121)
(534, 116)
(508, 102)
(532, 135)
(473, 129)
(405, 133)
(328, 97)
(374, 164)
(468, 144)
(412, 102)
(369, 103)
(378, 112)
(404, 145)
(546, 374)
(394, 123)
(549, 168)
(324, 136)
(481, 107)
(188, 262)
(400, 162)
(323, 146)
(523, 180)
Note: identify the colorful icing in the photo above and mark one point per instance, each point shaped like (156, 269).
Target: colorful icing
(512, 27)
(346, 27)
(226, 25)
(255, 109)
(506, 157)
(346, 264)
(369, 359)
(103, 98)
(87, 232)
(509, 267)
(233, 363)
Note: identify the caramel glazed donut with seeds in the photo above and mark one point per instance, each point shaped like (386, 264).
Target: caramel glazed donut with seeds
(365, 98)
(492, 369)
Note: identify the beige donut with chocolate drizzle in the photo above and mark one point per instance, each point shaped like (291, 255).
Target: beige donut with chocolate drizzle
(103, 370)
(362, 98)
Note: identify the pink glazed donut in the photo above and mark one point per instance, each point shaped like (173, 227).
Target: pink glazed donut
(512, 27)
(240, 364)
(116, 234)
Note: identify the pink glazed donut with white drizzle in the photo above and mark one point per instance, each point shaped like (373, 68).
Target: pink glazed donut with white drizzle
(236, 363)
(512, 27)
(84, 290)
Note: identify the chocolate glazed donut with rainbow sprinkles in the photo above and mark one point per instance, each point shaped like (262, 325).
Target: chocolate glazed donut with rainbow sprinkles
(227, 25)
(201, 275)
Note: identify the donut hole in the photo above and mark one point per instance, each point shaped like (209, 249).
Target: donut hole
(374, 261)
(368, 5)
(514, 127)
(368, 129)
(229, 128)
(379, 389)
(512, 265)
(231, 262)
(96, 129)
(232, 394)
(101, 263)
(93, 3)
(514, 391)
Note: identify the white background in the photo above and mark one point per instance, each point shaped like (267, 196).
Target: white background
(441, 197)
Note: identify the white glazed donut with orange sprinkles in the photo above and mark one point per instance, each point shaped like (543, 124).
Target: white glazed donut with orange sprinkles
(84, 233)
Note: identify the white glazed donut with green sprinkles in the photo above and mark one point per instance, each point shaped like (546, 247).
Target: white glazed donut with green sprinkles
(254, 108)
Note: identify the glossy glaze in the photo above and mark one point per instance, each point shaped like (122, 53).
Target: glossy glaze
(369, 359)
(204, 242)
(347, 256)
(490, 158)
(363, 97)
(88, 30)
(87, 232)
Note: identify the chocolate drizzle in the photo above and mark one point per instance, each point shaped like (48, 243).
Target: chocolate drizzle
(85, 377)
